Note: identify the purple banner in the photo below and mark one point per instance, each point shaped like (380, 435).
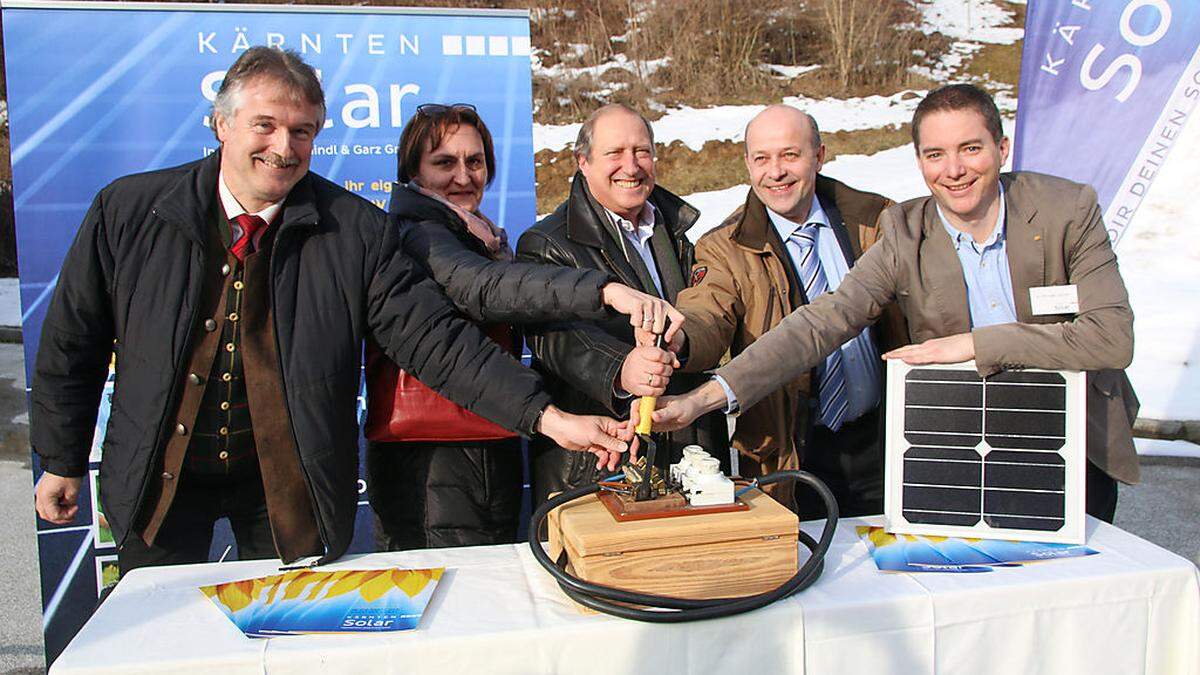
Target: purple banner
(1106, 89)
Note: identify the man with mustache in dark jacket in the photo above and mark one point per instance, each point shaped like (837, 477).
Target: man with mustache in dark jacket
(236, 292)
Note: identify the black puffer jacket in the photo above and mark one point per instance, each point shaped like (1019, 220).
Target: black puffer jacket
(429, 495)
(483, 289)
(582, 360)
(131, 283)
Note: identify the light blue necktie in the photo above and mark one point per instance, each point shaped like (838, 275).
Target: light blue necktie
(833, 398)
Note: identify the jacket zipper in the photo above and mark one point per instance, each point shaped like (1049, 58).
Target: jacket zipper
(172, 402)
(275, 247)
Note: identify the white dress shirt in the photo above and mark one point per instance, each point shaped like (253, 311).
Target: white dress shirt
(233, 209)
(639, 236)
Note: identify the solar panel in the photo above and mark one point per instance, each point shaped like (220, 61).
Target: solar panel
(995, 458)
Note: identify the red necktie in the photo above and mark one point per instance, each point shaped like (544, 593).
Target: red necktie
(250, 225)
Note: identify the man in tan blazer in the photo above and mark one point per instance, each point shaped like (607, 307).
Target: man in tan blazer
(750, 273)
(962, 265)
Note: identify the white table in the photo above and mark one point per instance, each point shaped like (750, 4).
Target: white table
(1135, 608)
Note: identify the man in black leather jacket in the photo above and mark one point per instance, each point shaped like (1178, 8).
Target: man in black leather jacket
(616, 220)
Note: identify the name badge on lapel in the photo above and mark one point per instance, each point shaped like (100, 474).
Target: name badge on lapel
(1045, 300)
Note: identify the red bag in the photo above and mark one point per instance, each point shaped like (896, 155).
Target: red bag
(401, 408)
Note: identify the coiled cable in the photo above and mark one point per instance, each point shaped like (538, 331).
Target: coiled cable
(667, 609)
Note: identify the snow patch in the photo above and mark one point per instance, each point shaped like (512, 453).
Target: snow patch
(561, 71)
(789, 72)
(973, 20)
(695, 126)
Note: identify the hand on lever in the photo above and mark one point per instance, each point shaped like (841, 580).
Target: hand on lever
(649, 315)
(647, 371)
(603, 437)
(672, 413)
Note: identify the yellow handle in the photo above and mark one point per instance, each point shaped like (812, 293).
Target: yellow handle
(645, 412)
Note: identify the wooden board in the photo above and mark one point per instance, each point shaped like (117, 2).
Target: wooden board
(714, 555)
(702, 571)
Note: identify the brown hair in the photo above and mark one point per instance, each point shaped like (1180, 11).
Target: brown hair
(429, 125)
(958, 97)
(282, 65)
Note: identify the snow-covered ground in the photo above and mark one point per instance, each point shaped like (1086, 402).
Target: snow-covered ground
(970, 20)
(969, 23)
(696, 126)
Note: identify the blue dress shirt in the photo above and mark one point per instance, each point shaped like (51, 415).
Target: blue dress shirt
(985, 271)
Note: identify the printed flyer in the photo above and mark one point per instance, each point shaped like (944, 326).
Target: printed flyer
(923, 553)
(344, 601)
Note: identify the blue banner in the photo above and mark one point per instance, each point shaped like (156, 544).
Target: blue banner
(99, 92)
(1106, 89)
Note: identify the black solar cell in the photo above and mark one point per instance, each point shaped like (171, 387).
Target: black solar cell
(984, 449)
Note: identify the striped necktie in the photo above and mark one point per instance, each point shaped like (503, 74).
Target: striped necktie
(833, 398)
(250, 225)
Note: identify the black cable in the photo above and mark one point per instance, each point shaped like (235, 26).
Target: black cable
(666, 609)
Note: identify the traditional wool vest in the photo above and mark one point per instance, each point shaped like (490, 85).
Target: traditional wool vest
(222, 445)
(232, 422)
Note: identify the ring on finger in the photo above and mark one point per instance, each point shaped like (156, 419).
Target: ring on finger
(650, 380)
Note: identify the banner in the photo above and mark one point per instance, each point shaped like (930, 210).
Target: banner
(1106, 89)
(101, 90)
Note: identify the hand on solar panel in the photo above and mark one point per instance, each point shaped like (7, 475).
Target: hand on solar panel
(953, 349)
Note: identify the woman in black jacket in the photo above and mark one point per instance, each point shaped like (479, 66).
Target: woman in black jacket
(429, 485)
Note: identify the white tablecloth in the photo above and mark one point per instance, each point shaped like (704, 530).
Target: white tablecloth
(1135, 608)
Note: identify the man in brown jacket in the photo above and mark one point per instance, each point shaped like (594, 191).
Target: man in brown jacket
(750, 274)
(965, 267)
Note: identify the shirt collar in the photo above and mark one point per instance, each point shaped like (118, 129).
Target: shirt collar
(233, 209)
(960, 238)
(787, 227)
(645, 225)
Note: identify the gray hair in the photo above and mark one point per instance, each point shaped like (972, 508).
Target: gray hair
(282, 65)
(583, 142)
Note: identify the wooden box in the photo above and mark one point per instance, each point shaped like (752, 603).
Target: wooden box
(718, 555)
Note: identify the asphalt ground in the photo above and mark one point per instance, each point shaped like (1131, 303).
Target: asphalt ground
(20, 592)
(1162, 509)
